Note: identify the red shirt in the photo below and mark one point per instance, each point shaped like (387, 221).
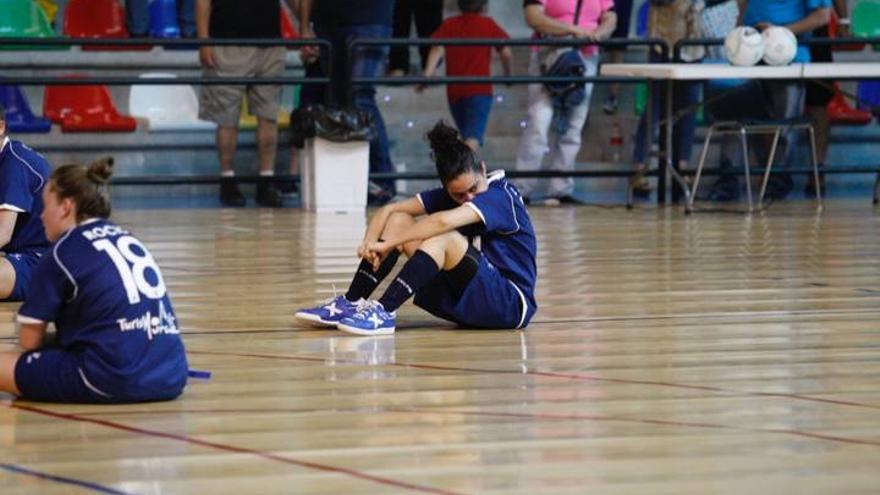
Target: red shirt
(469, 60)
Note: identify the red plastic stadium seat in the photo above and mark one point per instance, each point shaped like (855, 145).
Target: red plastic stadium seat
(103, 19)
(840, 112)
(833, 33)
(84, 109)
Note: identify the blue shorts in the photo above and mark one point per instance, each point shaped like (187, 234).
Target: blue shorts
(471, 115)
(488, 301)
(53, 375)
(23, 263)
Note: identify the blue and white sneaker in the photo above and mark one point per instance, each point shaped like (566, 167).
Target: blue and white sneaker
(370, 319)
(329, 312)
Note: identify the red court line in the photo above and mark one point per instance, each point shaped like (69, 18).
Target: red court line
(239, 450)
(568, 376)
(501, 414)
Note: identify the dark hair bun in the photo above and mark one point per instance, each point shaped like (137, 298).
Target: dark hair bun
(442, 137)
(100, 170)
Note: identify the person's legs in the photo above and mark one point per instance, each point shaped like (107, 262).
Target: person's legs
(398, 64)
(786, 102)
(370, 62)
(564, 153)
(471, 116)
(533, 144)
(7, 278)
(137, 18)
(428, 17)
(186, 17)
(8, 361)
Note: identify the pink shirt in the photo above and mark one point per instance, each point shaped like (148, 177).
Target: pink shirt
(591, 11)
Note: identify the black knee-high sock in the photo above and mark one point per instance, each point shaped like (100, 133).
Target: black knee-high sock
(366, 280)
(418, 271)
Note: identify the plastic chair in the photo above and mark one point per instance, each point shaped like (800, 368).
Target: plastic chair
(866, 20)
(248, 121)
(163, 19)
(19, 117)
(840, 112)
(288, 32)
(24, 19)
(84, 108)
(103, 19)
(167, 108)
(833, 29)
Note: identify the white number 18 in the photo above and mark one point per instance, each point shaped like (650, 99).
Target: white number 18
(133, 277)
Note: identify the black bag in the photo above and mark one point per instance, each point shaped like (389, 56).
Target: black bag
(339, 125)
(564, 62)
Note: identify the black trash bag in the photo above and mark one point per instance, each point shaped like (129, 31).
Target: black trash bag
(338, 125)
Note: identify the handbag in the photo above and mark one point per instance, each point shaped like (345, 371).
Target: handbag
(716, 20)
(564, 62)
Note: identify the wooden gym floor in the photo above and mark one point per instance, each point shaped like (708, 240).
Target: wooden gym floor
(717, 353)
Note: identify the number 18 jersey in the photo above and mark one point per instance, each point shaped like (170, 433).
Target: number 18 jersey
(106, 295)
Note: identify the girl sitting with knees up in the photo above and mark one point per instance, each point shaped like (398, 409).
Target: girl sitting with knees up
(471, 259)
(117, 337)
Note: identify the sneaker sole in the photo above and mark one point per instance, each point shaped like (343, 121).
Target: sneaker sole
(314, 320)
(365, 333)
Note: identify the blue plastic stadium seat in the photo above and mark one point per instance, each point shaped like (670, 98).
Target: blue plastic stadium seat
(19, 117)
(163, 19)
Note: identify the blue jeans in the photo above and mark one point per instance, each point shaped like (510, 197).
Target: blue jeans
(137, 18)
(368, 61)
(686, 94)
(471, 115)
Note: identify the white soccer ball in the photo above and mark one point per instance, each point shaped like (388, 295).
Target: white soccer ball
(780, 45)
(744, 46)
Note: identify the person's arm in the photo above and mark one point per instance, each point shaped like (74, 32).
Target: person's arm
(7, 226)
(203, 24)
(30, 335)
(538, 20)
(814, 20)
(307, 53)
(411, 206)
(434, 57)
(607, 25)
(506, 55)
(430, 226)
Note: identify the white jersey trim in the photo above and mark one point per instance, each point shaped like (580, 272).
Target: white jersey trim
(64, 268)
(422, 201)
(92, 387)
(28, 165)
(525, 306)
(7, 206)
(27, 320)
(477, 211)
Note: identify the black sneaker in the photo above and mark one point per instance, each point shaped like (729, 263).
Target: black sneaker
(268, 196)
(726, 188)
(568, 199)
(288, 188)
(810, 187)
(230, 196)
(779, 187)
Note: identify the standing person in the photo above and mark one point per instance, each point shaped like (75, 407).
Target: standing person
(469, 103)
(623, 10)
(117, 336)
(222, 104)
(427, 14)
(819, 94)
(563, 140)
(471, 259)
(23, 174)
(340, 22)
(785, 98)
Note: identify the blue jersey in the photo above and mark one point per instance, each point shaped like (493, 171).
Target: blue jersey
(108, 300)
(23, 174)
(505, 236)
(782, 12)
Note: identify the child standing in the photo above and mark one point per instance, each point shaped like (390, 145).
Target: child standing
(469, 103)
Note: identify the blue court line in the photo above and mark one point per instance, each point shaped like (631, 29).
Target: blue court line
(61, 479)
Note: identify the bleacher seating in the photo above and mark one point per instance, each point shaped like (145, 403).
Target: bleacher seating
(163, 19)
(167, 107)
(23, 19)
(840, 112)
(84, 108)
(866, 20)
(103, 19)
(19, 116)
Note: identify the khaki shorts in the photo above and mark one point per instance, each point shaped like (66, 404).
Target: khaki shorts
(222, 104)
